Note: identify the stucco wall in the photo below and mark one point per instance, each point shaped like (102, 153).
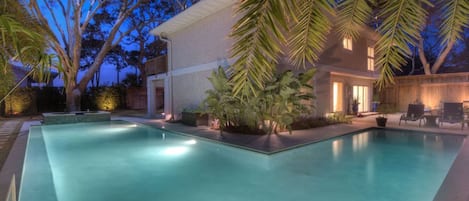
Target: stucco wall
(189, 90)
(335, 55)
(203, 42)
(198, 49)
(323, 93)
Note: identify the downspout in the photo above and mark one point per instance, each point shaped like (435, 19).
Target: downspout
(164, 37)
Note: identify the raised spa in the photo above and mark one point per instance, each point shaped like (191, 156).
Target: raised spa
(75, 117)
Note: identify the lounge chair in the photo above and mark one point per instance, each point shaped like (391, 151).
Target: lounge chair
(452, 113)
(414, 113)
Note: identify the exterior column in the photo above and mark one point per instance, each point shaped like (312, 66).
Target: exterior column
(151, 100)
(167, 98)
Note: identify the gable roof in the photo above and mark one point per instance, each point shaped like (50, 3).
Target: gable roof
(193, 14)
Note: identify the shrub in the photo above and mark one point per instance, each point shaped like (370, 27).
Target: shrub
(274, 108)
(21, 101)
(338, 117)
(107, 98)
(306, 122)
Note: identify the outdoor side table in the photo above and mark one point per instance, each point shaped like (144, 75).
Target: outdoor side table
(430, 120)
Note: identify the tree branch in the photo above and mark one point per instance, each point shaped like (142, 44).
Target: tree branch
(441, 58)
(90, 15)
(123, 14)
(423, 58)
(54, 19)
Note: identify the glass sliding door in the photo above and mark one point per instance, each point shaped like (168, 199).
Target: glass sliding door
(337, 97)
(361, 93)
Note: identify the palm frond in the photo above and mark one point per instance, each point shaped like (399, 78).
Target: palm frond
(352, 15)
(403, 21)
(22, 36)
(258, 37)
(455, 14)
(309, 33)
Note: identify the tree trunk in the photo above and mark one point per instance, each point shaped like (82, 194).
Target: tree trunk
(441, 58)
(423, 59)
(141, 65)
(73, 97)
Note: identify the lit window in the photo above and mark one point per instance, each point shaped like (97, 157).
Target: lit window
(337, 91)
(347, 42)
(371, 59)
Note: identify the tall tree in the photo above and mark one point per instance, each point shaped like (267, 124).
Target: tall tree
(259, 36)
(93, 40)
(69, 19)
(460, 58)
(452, 17)
(141, 39)
(145, 45)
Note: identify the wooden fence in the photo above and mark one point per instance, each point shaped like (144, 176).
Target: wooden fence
(431, 90)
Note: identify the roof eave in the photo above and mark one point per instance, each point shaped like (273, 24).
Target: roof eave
(193, 14)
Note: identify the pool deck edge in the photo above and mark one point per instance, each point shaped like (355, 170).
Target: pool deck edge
(455, 186)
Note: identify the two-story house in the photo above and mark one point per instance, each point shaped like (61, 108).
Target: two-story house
(198, 42)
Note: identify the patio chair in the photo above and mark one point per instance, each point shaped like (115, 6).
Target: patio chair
(414, 113)
(452, 113)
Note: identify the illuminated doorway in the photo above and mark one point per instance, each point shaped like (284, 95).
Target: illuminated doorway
(360, 93)
(337, 97)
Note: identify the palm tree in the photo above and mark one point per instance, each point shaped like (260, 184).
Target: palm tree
(265, 24)
(23, 40)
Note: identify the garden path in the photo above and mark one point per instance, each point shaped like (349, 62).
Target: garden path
(9, 129)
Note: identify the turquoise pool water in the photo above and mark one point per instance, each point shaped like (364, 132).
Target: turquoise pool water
(121, 161)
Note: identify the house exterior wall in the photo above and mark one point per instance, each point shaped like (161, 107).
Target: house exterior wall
(203, 42)
(335, 55)
(348, 83)
(196, 51)
(189, 90)
(200, 48)
(323, 93)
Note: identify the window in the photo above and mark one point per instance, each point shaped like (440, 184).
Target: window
(371, 59)
(347, 42)
(337, 93)
(360, 93)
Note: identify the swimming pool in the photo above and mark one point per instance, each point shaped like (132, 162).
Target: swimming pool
(122, 161)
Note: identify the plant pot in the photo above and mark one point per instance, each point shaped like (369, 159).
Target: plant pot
(355, 109)
(194, 119)
(381, 121)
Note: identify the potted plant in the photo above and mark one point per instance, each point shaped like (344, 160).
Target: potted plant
(375, 103)
(193, 117)
(355, 104)
(384, 110)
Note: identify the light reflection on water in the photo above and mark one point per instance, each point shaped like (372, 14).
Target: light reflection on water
(381, 165)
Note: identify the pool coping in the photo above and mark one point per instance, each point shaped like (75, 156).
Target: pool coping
(289, 147)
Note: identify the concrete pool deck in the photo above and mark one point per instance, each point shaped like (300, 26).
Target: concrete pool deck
(273, 143)
(454, 188)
